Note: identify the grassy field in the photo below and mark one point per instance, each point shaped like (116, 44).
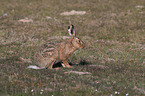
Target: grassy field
(114, 55)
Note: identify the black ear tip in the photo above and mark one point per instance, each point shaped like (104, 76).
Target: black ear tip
(72, 25)
(68, 27)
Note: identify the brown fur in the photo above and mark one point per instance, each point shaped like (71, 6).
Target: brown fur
(47, 56)
(52, 52)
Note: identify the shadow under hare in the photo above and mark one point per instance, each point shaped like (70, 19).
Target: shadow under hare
(50, 53)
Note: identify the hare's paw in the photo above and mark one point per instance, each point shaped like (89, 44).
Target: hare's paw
(63, 65)
(56, 68)
(70, 67)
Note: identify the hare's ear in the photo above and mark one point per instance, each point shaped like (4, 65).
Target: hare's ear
(71, 30)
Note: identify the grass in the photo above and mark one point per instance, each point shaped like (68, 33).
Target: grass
(113, 31)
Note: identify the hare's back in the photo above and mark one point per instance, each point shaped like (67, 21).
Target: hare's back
(47, 50)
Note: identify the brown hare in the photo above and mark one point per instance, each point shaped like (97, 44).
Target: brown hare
(53, 52)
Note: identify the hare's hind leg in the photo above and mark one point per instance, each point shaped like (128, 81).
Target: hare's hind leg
(66, 64)
(51, 64)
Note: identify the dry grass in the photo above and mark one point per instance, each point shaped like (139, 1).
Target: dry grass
(114, 33)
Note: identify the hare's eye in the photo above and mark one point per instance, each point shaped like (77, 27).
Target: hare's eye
(79, 41)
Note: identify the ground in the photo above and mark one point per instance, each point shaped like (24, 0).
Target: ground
(112, 62)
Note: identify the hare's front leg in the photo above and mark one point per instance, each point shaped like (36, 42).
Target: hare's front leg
(66, 64)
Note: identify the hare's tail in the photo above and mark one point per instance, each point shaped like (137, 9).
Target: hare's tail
(35, 67)
(30, 66)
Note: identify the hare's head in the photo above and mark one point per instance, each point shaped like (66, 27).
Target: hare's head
(77, 43)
